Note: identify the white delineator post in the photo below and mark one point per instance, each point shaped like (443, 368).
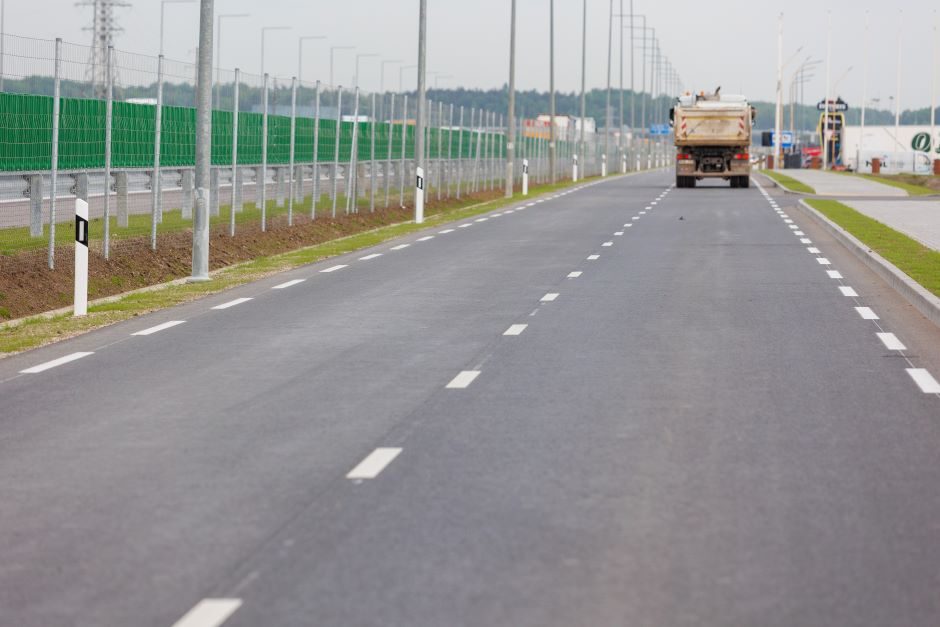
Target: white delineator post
(81, 258)
(574, 168)
(525, 177)
(603, 165)
(419, 195)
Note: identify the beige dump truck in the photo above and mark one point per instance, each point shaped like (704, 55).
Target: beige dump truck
(713, 138)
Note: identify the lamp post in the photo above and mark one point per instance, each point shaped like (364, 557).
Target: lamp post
(333, 49)
(551, 87)
(511, 114)
(264, 30)
(300, 53)
(218, 53)
(163, 4)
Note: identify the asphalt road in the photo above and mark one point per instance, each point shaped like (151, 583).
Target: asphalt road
(626, 405)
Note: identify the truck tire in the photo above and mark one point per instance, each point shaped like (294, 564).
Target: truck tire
(735, 182)
(680, 181)
(745, 182)
(690, 181)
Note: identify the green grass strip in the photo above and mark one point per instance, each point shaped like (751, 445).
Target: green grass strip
(913, 190)
(789, 182)
(44, 329)
(910, 256)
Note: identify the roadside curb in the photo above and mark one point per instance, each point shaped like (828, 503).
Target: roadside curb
(911, 290)
(777, 183)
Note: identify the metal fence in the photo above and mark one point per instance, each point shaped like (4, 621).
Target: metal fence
(283, 150)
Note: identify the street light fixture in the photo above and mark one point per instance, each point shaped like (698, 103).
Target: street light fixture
(300, 53)
(163, 4)
(218, 53)
(264, 30)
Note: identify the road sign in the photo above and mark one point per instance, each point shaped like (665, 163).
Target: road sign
(659, 129)
(837, 105)
(786, 139)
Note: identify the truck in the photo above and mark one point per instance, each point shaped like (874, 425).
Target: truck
(713, 138)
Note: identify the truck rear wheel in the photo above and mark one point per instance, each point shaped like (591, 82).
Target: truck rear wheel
(745, 181)
(735, 182)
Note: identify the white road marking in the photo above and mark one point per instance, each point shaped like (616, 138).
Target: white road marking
(891, 342)
(425, 238)
(618, 233)
(647, 208)
(284, 286)
(446, 231)
(55, 362)
(642, 213)
(799, 233)
(374, 463)
(635, 218)
(653, 203)
(549, 297)
(341, 266)
(924, 380)
(813, 250)
(788, 221)
(593, 257)
(834, 274)
(232, 303)
(806, 240)
(574, 275)
(400, 247)
(372, 256)
(516, 329)
(464, 379)
(160, 327)
(209, 613)
(481, 219)
(495, 215)
(793, 226)
(628, 225)
(607, 244)
(464, 225)
(507, 212)
(848, 291)
(822, 261)
(866, 313)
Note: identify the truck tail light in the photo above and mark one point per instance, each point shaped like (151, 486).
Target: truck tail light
(681, 156)
(742, 156)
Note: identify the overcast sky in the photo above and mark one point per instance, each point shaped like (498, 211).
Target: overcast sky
(732, 43)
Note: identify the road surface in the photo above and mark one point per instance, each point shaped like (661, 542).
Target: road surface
(625, 405)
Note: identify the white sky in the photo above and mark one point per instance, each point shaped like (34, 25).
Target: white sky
(731, 43)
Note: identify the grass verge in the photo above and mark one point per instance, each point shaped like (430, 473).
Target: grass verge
(910, 256)
(911, 188)
(789, 182)
(44, 329)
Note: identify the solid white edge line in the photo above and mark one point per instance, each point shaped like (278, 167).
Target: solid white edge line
(56, 362)
(463, 379)
(549, 297)
(284, 286)
(334, 268)
(924, 380)
(209, 613)
(516, 329)
(848, 291)
(891, 342)
(374, 463)
(160, 327)
(866, 313)
(232, 303)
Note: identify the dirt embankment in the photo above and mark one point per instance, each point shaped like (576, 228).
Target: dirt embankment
(28, 286)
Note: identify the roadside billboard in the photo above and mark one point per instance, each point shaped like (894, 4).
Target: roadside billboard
(912, 150)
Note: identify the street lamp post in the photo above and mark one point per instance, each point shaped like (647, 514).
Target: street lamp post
(218, 54)
(300, 53)
(581, 154)
(332, 50)
(163, 4)
(511, 131)
(264, 30)
(551, 87)
(420, 111)
(200, 265)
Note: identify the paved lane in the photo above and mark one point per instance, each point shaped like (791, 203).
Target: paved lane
(490, 427)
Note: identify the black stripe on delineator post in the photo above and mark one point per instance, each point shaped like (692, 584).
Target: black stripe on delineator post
(81, 230)
(420, 182)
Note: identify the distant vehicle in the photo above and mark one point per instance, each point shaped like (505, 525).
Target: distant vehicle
(713, 136)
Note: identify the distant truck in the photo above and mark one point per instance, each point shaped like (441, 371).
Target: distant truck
(713, 138)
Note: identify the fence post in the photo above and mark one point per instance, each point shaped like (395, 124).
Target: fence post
(352, 177)
(107, 154)
(156, 183)
(476, 153)
(339, 128)
(55, 152)
(290, 158)
(236, 174)
(450, 149)
(440, 155)
(262, 179)
(388, 158)
(404, 142)
(372, 161)
(460, 152)
(316, 150)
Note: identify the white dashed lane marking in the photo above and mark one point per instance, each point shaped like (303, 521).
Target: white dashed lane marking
(446, 231)
(866, 313)
(516, 329)
(848, 291)
(232, 303)
(891, 342)
(924, 380)
(549, 297)
(822, 261)
(284, 286)
(335, 268)
(372, 256)
(593, 257)
(813, 250)
(374, 463)
(463, 226)
(607, 244)
(209, 613)
(462, 380)
(55, 362)
(425, 238)
(574, 275)
(400, 247)
(160, 327)
(834, 274)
